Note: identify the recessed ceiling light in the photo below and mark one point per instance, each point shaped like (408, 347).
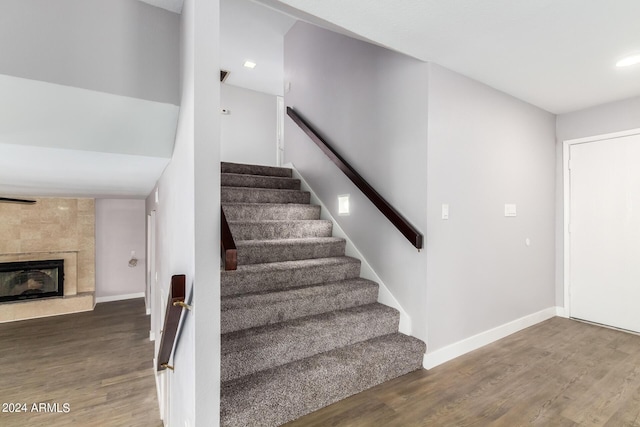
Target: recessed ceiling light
(629, 60)
(249, 64)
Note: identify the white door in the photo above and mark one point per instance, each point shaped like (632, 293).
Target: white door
(605, 232)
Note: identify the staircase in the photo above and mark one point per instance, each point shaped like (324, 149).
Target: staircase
(300, 328)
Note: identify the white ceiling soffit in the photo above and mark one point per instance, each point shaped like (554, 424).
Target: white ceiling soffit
(65, 141)
(250, 31)
(558, 55)
(38, 171)
(170, 5)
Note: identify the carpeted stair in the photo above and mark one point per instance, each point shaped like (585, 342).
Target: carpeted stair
(300, 328)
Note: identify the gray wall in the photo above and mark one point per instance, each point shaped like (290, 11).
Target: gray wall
(423, 136)
(602, 119)
(249, 130)
(370, 103)
(123, 47)
(486, 149)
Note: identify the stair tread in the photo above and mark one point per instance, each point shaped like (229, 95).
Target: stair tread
(284, 242)
(259, 181)
(292, 265)
(283, 190)
(270, 296)
(251, 350)
(283, 393)
(243, 168)
(257, 337)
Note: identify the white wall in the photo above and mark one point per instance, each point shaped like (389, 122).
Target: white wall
(120, 229)
(123, 47)
(187, 224)
(599, 120)
(371, 104)
(486, 149)
(249, 131)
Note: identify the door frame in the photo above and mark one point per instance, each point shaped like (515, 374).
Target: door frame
(566, 178)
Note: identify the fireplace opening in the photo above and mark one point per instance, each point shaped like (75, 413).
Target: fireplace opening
(31, 279)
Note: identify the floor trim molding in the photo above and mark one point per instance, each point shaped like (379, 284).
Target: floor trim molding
(450, 352)
(119, 297)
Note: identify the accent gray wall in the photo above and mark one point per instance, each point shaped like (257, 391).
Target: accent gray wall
(249, 130)
(486, 149)
(123, 47)
(371, 104)
(602, 119)
(423, 136)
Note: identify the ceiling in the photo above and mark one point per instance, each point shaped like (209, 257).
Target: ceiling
(559, 55)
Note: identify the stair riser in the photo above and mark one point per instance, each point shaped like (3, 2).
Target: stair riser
(304, 338)
(266, 212)
(254, 181)
(226, 167)
(280, 230)
(280, 311)
(239, 282)
(274, 253)
(255, 195)
(274, 396)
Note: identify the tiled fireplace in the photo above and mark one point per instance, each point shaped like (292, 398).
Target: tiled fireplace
(52, 229)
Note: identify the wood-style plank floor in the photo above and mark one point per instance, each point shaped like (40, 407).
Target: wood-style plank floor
(99, 363)
(557, 373)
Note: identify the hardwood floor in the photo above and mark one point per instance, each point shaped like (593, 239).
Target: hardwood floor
(557, 373)
(99, 363)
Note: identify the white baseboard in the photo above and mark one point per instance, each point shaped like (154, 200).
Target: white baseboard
(450, 352)
(119, 297)
(562, 312)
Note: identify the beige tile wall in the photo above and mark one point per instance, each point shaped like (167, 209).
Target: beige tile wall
(52, 225)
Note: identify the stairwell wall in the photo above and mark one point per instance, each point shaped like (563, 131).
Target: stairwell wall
(424, 136)
(187, 212)
(249, 130)
(371, 103)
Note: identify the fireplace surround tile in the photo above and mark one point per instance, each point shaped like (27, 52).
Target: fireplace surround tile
(53, 228)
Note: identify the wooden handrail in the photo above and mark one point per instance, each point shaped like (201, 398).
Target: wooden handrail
(175, 304)
(404, 226)
(228, 249)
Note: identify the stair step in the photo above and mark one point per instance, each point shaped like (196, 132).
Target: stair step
(241, 168)
(284, 393)
(264, 251)
(266, 230)
(259, 309)
(257, 181)
(270, 211)
(252, 350)
(262, 195)
(287, 274)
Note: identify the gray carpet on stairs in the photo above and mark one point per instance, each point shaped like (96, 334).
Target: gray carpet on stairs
(300, 329)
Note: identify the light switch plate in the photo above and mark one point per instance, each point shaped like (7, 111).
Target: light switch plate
(509, 210)
(445, 211)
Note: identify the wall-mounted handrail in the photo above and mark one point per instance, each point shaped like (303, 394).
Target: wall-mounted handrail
(404, 226)
(175, 304)
(228, 250)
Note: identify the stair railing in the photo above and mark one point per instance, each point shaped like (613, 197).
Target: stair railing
(404, 226)
(175, 304)
(228, 250)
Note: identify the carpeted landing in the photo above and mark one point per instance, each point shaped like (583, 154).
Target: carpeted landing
(300, 329)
